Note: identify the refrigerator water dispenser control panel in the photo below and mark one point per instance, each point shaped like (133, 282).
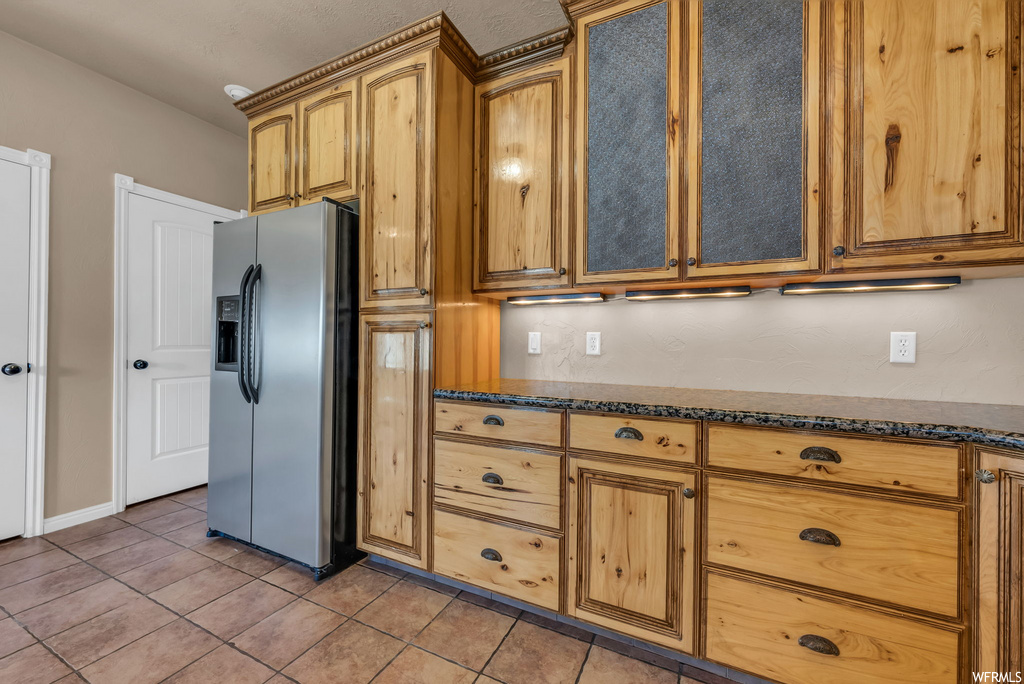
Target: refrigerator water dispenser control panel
(228, 320)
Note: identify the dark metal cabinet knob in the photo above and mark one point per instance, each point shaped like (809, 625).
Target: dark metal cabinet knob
(10, 369)
(818, 644)
(819, 453)
(561, 271)
(817, 535)
(689, 493)
(492, 478)
(423, 292)
(491, 555)
(673, 262)
(839, 251)
(692, 261)
(629, 433)
(982, 476)
(140, 364)
(494, 420)
(424, 325)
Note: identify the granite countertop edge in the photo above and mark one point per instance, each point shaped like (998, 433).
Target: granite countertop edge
(879, 428)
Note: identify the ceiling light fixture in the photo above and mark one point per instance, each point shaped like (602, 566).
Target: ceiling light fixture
(908, 284)
(692, 293)
(237, 92)
(576, 298)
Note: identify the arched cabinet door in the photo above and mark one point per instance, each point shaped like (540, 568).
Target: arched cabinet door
(272, 160)
(327, 144)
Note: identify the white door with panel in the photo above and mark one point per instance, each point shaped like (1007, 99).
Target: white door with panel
(15, 180)
(168, 291)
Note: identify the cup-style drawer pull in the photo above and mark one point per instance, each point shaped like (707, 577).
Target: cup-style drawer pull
(493, 478)
(818, 644)
(819, 453)
(491, 555)
(816, 535)
(629, 433)
(494, 420)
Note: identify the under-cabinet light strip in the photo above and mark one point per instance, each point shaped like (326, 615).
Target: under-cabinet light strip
(574, 298)
(908, 284)
(692, 293)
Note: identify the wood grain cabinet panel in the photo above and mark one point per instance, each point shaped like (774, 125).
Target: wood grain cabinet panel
(631, 554)
(519, 485)
(894, 465)
(665, 440)
(999, 579)
(930, 118)
(899, 553)
(327, 144)
(398, 183)
(508, 424)
(272, 160)
(394, 389)
(519, 563)
(799, 638)
(523, 179)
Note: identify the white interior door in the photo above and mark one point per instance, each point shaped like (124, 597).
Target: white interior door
(168, 290)
(15, 185)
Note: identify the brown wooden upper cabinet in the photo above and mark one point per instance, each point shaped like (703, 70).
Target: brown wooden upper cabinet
(327, 144)
(523, 179)
(397, 183)
(628, 123)
(272, 160)
(753, 120)
(928, 116)
(303, 152)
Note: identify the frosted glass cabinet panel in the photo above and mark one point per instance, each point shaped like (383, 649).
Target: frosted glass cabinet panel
(627, 120)
(753, 130)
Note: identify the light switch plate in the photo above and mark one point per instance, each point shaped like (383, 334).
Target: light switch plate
(903, 347)
(593, 344)
(533, 343)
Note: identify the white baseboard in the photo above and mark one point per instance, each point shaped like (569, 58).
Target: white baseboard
(59, 522)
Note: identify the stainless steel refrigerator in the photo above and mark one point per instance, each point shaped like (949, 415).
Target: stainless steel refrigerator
(283, 383)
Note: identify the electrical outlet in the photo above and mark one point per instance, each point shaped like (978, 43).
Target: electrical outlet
(903, 347)
(533, 343)
(593, 344)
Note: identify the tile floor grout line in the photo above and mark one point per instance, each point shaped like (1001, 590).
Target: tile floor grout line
(515, 621)
(583, 665)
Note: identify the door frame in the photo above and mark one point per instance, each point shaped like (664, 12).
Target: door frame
(38, 280)
(124, 187)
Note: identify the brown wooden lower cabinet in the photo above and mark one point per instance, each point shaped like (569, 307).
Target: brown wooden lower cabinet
(999, 590)
(631, 550)
(394, 440)
(800, 638)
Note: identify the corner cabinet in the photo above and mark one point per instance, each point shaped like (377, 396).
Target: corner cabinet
(999, 582)
(523, 179)
(628, 128)
(394, 435)
(398, 183)
(300, 153)
(927, 116)
(631, 550)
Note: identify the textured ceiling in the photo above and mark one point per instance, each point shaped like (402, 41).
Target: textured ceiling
(184, 52)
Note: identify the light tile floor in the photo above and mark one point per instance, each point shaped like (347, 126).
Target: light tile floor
(145, 596)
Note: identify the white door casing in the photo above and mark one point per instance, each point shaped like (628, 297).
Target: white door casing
(166, 295)
(24, 215)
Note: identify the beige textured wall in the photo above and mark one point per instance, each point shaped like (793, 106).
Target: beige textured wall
(970, 343)
(94, 128)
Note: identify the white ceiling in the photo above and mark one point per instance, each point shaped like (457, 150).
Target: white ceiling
(183, 52)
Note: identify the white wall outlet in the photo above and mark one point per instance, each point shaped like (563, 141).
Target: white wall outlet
(533, 343)
(593, 344)
(903, 347)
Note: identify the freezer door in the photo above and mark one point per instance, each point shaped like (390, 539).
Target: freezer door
(230, 493)
(292, 425)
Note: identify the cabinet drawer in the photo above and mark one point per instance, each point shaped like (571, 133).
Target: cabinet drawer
(524, 425)
(773, 632)
(900, 466)
(666, 440)
(905, 554)
(501, 481)
(520, 564)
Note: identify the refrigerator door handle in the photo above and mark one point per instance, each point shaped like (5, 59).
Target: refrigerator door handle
(243, 337)
(253, 323)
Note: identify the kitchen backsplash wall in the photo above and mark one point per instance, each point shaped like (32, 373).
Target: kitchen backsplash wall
(970, 343)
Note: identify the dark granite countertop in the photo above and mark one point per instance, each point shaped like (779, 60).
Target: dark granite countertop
(997, 425)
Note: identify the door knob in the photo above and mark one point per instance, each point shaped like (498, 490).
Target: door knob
(140, 364)
(10, 369)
